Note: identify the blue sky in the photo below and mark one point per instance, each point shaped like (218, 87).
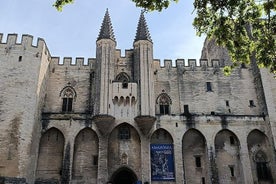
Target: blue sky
(73, 32)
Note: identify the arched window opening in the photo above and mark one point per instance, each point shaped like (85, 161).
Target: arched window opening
(68, 94)
(164, 102)
(133, 100)
(121, 100)
(124, 78)
(115, 100)
(263, 172)
(20, 58)
(127, 100)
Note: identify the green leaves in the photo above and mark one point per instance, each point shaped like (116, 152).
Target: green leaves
(247, 28)
(244, 27)
(152, 5)
(149, 5)
(60, 3)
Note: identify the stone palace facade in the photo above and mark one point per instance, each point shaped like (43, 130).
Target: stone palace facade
(129, 119)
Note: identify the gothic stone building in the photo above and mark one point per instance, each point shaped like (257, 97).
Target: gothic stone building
(127, 119)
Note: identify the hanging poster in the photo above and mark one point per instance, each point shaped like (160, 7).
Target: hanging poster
(162, 162)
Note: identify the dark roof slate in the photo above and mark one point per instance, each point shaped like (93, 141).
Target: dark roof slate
(142, 32)
(106, 31)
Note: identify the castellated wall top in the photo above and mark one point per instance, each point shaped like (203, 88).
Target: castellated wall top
(26, 41)
(190, 64)
(69, 62)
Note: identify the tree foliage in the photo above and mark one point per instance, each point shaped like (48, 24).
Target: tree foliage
(246, 28)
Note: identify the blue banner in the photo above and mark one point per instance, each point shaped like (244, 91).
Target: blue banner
(162, 162)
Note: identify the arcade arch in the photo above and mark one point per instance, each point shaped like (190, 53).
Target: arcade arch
(261, 157)
(162, 156)
(195, 157)
(124, 149)
(50, 155)
(227, 147)
(123, 175)
(85, 158)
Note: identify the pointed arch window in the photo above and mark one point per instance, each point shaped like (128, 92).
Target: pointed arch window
(124, 78)
(263, 172)
(164, 102)
(68, 95)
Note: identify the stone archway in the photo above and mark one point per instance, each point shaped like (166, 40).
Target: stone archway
(85, 158)
(261, 157)
(195, 158)
(229, 167)
(124, 148)
(50, 158)
(124, 175)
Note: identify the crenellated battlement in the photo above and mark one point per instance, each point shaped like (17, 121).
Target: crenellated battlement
(78, 62)
(128, 53)
(190, 64)
(26, 41)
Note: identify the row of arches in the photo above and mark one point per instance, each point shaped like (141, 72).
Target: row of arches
(124, 148)
(124, 100)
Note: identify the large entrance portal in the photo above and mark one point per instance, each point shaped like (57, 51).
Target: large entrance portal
(124, 176)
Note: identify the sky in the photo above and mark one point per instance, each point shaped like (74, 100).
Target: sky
(73, 32)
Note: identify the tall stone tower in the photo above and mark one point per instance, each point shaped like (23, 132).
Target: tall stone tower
(105, 59)
(143, 64)
(23, 77)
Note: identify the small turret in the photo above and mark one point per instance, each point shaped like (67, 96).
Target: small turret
(106, 31)
(142, 29)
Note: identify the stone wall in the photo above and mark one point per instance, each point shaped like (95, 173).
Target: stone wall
(23, 77)
(224, 127)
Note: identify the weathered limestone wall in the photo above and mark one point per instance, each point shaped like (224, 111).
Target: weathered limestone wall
(68, 74)
(187, 86)
(23, 78)
(222, 129)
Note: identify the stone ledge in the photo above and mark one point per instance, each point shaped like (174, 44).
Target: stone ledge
(12, 180)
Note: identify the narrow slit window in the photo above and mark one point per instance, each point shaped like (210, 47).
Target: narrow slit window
(208, 86)
(198, 161)
(186, 109)
(95, 160)
(20, 58)
(232, 140)
(232, 170)
(203, 180)
(227, 103)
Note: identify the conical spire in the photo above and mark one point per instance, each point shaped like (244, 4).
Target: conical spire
(142, 29)
(106, 31)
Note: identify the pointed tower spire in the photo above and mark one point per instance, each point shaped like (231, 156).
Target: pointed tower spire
(106, 31)
(142, 29)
